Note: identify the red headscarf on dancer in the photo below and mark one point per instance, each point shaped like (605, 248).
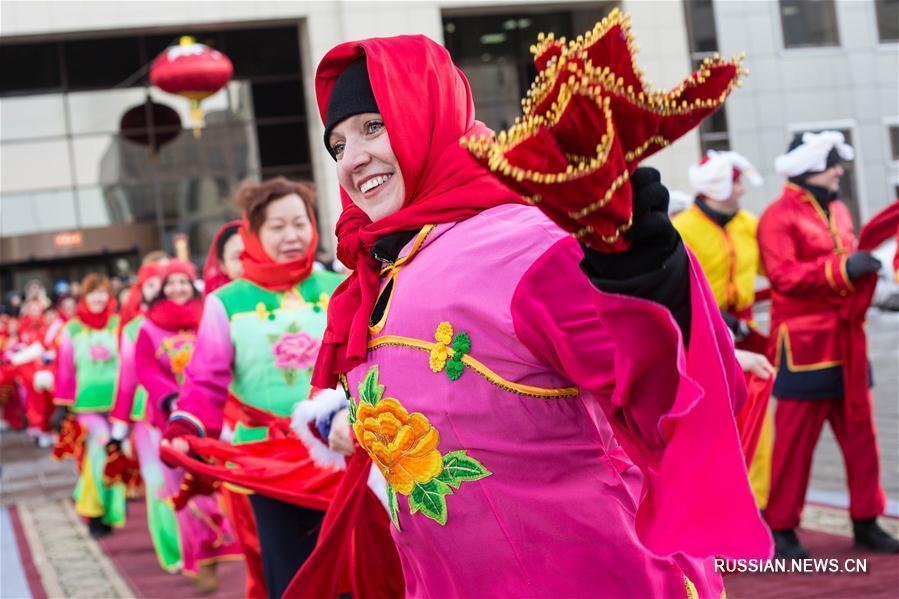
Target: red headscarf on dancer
(213, 274)
(170, 315)
(258, 266)
(134, 301)
(91, 283)
(426, 105)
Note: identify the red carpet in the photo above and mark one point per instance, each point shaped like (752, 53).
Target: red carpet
(131, 551)
(880, 582)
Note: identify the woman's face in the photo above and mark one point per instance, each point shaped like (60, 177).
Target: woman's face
(150, 289)
(67, 306)
(96, 300)
(286, 231)
(178, 288)
(231, 264)
(367, 168)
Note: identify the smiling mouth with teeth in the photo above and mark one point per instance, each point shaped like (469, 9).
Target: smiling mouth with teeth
(374, 182)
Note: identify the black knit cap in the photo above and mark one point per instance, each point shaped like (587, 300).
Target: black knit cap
(351, 95)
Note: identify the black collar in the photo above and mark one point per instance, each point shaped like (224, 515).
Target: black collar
(719, 218)
(822, 195)
(388, 248)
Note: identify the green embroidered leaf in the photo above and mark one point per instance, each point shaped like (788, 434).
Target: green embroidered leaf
(462, 343)
(352, 411)
(293, 327)
(392, 507)
(290, 376)
(463, 467)
(430, 499)
(448, 478)
(369, 390)
(454, 367)
(273, 338)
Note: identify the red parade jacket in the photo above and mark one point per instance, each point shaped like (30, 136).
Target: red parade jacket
(804, 252)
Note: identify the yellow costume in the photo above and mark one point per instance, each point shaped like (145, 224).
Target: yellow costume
(729, 257)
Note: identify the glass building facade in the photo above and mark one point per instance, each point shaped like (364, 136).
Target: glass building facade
(89, 145)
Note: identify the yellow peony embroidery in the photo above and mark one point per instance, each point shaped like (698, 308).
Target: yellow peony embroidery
(261, 311)
(403, 445)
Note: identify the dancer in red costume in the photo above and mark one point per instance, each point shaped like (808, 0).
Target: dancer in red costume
(817, 275)
(33, 365)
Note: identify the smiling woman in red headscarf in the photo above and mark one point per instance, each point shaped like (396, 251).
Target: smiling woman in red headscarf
(533, 442)
(257, 341)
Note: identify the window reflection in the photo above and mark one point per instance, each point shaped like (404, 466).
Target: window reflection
(69, 141)
(26, 166)
(37, 212)
(32, 117)
(101, 111)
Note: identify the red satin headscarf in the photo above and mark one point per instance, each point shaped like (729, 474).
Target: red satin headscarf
(213, 274)
(426, 105)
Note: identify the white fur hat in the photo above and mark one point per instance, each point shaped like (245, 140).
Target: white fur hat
(811, 154)
(714, 176)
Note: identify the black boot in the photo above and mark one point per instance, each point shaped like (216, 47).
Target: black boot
(787, 545)
(869, 535)
(97, 528)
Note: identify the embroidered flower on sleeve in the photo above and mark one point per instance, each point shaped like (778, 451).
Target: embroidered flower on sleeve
(404, 447)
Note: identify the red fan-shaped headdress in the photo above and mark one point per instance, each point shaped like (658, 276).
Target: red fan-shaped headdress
(588, 120)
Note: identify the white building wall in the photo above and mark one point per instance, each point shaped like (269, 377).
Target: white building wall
(660, 30)
(855, 84)
(658, 25)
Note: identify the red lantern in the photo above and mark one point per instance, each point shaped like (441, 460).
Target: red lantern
(192, 70)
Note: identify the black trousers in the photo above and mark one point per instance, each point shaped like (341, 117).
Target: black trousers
(287, 536)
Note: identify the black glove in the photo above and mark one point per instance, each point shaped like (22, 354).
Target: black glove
(655, 267)
(653, 238)
(59, 416)
(860, 264)
(168, 403)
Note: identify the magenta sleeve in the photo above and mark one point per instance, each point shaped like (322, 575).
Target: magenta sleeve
(64, 393)
(671, 409)
(126, 382)
(209, 373)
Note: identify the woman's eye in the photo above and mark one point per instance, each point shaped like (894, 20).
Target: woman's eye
(337, 149)
(373, 126)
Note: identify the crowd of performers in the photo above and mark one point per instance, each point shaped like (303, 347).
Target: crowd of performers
(487, 405)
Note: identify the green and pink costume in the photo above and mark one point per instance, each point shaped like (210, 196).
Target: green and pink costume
(87, 368)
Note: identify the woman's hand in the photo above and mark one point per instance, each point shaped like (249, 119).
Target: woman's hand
(340, 439)
(754, 363)
(173, 436)
(178, 444)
